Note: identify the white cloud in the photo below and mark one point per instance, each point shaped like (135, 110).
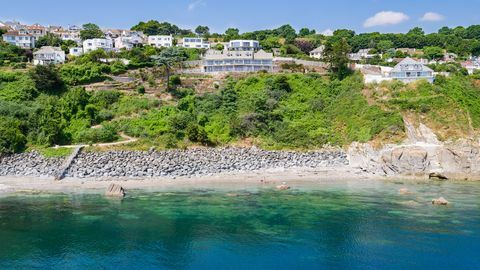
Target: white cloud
(327, 32)
(386, 18)
(432, 17)
(192, 6)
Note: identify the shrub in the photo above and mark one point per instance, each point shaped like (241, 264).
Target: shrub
(141, 89)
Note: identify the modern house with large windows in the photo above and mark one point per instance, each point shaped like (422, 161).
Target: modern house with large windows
(410, 70)
(239, 56)
(198, 43)
(243, 45)
(160, 41)
(97, 43)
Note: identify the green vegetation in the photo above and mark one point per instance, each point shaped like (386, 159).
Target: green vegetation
(294, 111)
(90, 31)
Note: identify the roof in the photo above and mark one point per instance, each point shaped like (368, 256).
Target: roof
(48, 49)
(318, 50)
(16, 33)
(411, 65)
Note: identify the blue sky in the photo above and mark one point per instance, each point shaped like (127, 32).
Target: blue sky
(248, 15)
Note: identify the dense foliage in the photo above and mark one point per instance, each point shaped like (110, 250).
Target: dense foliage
(295, 111)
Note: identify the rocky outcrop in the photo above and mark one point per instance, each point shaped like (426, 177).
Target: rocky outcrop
(421, 155)
(440, 201)
(115, 190)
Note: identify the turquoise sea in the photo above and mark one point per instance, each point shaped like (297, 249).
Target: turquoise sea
(341, 225)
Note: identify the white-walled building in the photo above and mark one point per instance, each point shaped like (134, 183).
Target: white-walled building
(198, 43)
(20, 39)
(238, 56)
(48, 55)
(243, 45)
(76, 51)
(160, 41)
(97, 43)
(410, 70)
(128, 42)
(69, 35)
(318, 52)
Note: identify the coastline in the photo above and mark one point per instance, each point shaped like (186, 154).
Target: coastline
(297, 177)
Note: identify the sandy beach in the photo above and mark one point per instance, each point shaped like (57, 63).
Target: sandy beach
(238, 180)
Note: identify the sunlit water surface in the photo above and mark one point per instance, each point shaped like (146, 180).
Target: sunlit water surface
(344, 225)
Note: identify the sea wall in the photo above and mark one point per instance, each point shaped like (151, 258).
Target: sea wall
(173, 163)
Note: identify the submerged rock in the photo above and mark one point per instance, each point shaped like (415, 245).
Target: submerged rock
(440, 201)
(283, 187)
(437, 176)
(115, 190)
(404, 191)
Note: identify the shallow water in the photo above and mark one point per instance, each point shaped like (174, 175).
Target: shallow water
(344, 225)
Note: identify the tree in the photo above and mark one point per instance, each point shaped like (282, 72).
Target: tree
(286, 31)
(231, 33)
(433, 53)
(153, 27)
(336, 55)
(90, 31)
(12, 139)
(306, 32)
(202, 30)
(416, 31)
(48, 40)
(384, 45)
(47, 79)
(169, 58)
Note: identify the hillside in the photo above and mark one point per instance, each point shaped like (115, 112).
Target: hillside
(39, 109)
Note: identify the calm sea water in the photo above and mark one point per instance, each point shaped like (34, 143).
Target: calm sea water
(346, 225)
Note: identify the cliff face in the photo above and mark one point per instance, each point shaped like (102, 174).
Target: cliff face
(421, 155)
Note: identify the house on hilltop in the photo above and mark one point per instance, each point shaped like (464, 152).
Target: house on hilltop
(160, 41)
(97, 43)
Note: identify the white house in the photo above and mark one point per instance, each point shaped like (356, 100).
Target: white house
(37, 30)
(76, 51)
(361, 54)
(160, 41)
(318, 52)
(128, 42)
(69, 35)
(97, 43)
(410, 70)
(48, 55)
(243, 45)
(20, 39)
(198, 43)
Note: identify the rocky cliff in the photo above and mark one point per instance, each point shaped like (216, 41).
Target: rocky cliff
(421, 155)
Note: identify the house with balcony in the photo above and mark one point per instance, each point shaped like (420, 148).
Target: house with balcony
(243, 45)
(409, 70)
(97, 43)
(198, 43)
(237, 61)
(48, 55)
(128, 42)
(160, 41)
(20, 38)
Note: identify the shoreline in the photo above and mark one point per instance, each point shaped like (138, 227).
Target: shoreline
(305, 177)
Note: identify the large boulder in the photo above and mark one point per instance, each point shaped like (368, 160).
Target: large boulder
(440, 201)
